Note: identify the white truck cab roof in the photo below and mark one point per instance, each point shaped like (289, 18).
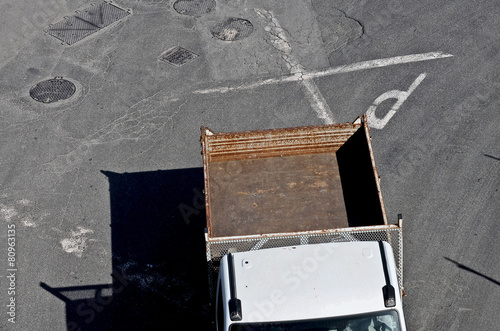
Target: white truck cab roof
(309, 282)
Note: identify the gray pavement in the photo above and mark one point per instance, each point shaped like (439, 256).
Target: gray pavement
(104, 188)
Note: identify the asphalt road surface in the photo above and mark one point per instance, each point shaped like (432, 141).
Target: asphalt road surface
(100, 168)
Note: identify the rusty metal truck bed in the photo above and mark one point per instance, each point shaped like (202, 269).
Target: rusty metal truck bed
(291, 180)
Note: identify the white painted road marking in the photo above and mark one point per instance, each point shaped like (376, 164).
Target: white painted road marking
(379, 63)
(400, 96)
(280, 42)
(370, 64)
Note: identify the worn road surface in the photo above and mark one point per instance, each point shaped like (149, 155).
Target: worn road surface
(100, 167)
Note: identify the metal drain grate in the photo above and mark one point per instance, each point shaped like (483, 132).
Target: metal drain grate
(86, 22)
(53, 90)
(232, 29)
(178, 56)
(194, 7)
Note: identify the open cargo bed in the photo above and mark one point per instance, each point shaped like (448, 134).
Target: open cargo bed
(293, 186)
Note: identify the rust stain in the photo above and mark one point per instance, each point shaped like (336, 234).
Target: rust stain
(257, 192)
(277, 142)
(320, 184)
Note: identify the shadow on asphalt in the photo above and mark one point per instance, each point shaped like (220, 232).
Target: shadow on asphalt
(158, 255)
(492, 157)
(463, 267)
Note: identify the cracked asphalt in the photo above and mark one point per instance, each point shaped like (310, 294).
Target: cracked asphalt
(104, 188)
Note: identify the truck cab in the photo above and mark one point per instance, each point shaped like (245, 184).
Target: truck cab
(332, 286)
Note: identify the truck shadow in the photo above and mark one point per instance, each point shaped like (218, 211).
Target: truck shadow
(158, 257)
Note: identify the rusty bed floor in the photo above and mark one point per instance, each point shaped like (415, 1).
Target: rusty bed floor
(276, 194)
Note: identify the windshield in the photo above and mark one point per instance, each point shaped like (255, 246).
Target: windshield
(381, 321)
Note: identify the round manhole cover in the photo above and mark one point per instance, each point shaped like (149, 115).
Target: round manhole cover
(194, 7)
(52, 90)
(232, 29)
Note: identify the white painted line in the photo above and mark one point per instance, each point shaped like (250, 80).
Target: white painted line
(370, 64)
(318, 102)
(279, 41)
(400, 96)
(250, 86)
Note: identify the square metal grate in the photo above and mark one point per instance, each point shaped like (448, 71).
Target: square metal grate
(86, 22)
(178, 56)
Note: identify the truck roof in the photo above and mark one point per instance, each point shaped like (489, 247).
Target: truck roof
(313, 281)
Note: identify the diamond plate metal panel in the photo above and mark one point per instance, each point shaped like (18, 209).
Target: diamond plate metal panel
(72, 30)
(102, 15)
(86, 22)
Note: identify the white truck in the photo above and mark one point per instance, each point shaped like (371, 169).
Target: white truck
(297, 236)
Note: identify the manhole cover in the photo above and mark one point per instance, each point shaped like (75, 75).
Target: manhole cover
(194, 7)
(53, 90)
(86, 22)
(178, 56)
(232, 29)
